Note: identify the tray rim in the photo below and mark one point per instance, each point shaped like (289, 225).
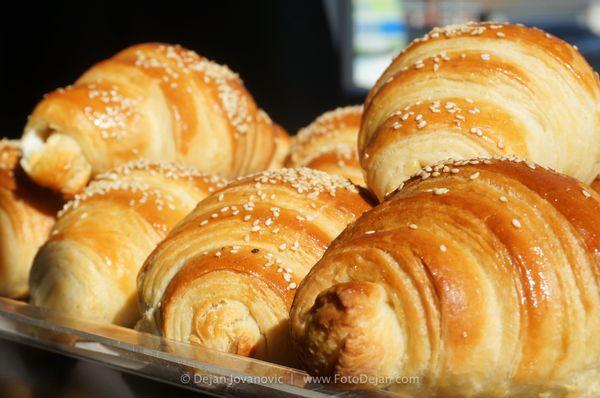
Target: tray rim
(159, 358)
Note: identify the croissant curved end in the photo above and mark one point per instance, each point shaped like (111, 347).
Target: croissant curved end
(55, 160)
(352, 330)
(81, 292)
(237, 332)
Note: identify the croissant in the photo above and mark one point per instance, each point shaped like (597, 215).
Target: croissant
(481, 89)
(329, 144)
(27, 214)
(480, 278)
(152, 101)
(88, 266)
(225, 277)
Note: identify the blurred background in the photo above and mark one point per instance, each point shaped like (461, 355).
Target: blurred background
(298, 58)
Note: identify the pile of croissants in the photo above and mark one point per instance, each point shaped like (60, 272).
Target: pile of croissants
(444, 230)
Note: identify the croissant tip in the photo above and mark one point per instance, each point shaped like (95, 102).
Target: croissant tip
(55, 160)
(355, 329)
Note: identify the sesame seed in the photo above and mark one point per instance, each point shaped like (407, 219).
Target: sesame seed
(585, 193)
(440, 191)
(503, 198)
(474, 175)
(412, 226)
(516, 223)
(370, 232)
(421, 124)
(443, 248)
(485, 57)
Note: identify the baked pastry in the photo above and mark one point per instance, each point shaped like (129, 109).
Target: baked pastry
(596, 184)
(329, 144)
(225, 277)
(88, 266)
(282, 147)
(27, 214)
(152, 101)
(481, 89)
(482, 281)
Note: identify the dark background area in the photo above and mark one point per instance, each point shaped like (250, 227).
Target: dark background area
(283, 50)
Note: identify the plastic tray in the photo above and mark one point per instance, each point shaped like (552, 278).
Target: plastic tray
(184, 365)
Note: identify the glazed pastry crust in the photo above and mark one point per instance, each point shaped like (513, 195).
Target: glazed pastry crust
(329, 144)
(481, 280)
(27, 214)
(225, 277)
(596, 185)
(88, 266)
(152, 101)
(481, 89)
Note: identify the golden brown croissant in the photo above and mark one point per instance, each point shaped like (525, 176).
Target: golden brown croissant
(481, 89)
(151, 101)
(478, 277)
(89, 265)
(329, 144)
(225, 277)
(27, 214)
